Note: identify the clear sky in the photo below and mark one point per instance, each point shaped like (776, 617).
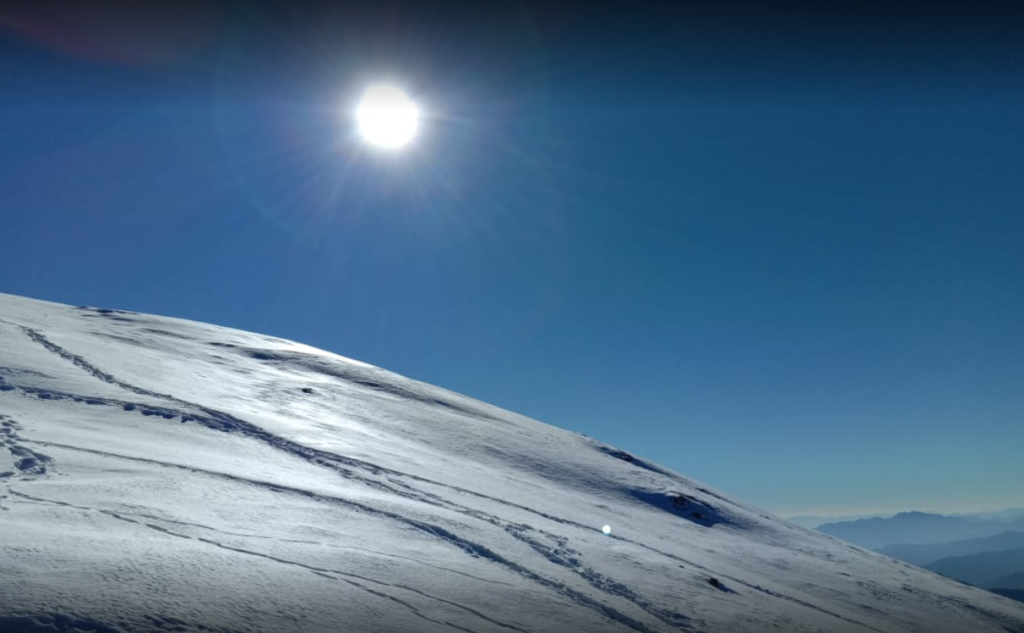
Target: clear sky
(780, 251)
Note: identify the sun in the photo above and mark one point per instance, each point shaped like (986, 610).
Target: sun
(386, 117)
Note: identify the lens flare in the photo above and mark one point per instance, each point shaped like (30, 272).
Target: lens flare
(387, 117)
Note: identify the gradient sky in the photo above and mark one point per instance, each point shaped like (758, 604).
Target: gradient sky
(780, 251)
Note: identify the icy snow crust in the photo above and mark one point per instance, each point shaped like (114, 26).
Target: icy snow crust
(164, 475)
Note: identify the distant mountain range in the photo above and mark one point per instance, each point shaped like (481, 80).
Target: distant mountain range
(814, 521)
(1016, 594)
(986, 570)
(1014, 582)
(918, 528)
(922, 555)
(986, 551)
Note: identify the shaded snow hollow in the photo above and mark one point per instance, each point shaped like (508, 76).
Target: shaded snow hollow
(163, 475)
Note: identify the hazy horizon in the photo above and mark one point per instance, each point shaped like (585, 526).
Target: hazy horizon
(825, 517)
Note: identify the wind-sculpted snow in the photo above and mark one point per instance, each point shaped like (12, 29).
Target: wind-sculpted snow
(164, 475)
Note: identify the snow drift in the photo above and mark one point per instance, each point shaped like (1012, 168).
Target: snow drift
(163, 475)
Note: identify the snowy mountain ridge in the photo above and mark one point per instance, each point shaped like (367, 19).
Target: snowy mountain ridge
(158, 474)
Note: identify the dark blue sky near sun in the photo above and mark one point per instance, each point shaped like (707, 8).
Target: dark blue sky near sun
(779, 250)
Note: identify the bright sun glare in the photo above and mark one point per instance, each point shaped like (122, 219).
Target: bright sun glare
(386, 117)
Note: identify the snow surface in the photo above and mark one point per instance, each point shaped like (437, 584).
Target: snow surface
(164, 475)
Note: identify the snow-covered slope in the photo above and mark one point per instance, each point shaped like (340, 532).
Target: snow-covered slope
(164, 475)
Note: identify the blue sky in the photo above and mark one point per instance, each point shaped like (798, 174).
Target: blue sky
(778, 252)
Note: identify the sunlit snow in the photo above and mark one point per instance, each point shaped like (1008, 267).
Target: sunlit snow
(165, 475)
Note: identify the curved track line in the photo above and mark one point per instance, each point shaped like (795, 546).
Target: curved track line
(325, 573)
(446, 536)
